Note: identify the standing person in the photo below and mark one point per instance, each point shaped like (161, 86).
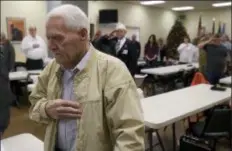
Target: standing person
(7, 60)
(226, 42)
(96, 38)
(216, 58)
(124, 49)
(35, 50)
(186, 51)
(162, 50)
(136, 45)
(87, 99)
(151, 51)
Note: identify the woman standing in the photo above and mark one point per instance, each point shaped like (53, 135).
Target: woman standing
(162, 50)
(151, 51)
(7, 59)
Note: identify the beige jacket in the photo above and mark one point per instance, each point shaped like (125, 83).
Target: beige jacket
(112, 118)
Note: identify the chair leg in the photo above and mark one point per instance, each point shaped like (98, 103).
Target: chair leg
(215, 145)
(160, 141)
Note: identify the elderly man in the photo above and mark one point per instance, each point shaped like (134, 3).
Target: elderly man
(7, 59)
(35, 50)
(124, 49)
(87, 99)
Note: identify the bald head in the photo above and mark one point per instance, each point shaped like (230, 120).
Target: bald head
(2, 37)
(32, 31)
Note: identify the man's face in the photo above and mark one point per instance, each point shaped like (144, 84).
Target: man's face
(67, 45)
(217, 40)
(120, 33)
(32, 31)
(133, 37)
(186, 40)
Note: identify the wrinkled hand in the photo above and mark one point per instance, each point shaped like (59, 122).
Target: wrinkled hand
(63, 109)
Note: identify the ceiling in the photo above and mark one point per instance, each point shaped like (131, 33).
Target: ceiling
(199, 5)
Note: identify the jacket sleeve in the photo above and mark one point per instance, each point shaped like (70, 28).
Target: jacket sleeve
(124, 113)
(26, 46)
(38, 98)
(11, 57)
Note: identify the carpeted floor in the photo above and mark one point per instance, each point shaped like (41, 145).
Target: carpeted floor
(20, 123)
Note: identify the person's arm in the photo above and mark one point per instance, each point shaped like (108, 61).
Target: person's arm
(123, 111)
(38, 98)
(181, 47)
(11, 56)
(26, 45)
(145, 52)
(203, 45)
(45, 50)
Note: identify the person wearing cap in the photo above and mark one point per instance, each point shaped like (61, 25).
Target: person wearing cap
(7, 60)
(35, 50)
(124, 49)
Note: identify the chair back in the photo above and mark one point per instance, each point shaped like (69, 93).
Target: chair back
(188, 143)
(20, 66)
(199, 79)
(219, 124)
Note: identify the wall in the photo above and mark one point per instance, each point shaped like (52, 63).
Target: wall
(192, 17)
(150, 20)
(34, 13)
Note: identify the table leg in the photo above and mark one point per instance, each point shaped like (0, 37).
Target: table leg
(174, 136)
(150, 140)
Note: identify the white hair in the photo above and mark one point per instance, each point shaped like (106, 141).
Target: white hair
(73, 16)
(120, 26)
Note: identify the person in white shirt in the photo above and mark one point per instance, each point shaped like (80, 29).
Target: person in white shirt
(35, 50)
(188, 52)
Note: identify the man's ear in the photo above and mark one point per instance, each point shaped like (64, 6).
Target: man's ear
(83, 34)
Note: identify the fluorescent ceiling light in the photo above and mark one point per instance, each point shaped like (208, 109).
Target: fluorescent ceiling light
(182, 8)
(221, 4)
(151, 2)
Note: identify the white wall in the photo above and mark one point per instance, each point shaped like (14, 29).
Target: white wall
(192, 17)
(150, 20)
(34, 13)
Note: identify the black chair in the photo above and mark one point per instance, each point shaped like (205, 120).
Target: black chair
(148, 85)
(188, 77)
(215, 127)
(17, 85)
(189, 143)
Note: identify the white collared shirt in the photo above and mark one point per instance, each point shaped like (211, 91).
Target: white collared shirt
(122, 41)
(188, 52)
(67, 128)
(34, 53)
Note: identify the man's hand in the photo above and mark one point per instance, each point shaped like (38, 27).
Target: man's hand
(35, 46)
(63, 109)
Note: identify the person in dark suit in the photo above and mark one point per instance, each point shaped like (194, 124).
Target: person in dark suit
(124, 49)
(162, 50)
(117, 45)
(7, 60)
(136, 45)
(16, 33)
(96, 38)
